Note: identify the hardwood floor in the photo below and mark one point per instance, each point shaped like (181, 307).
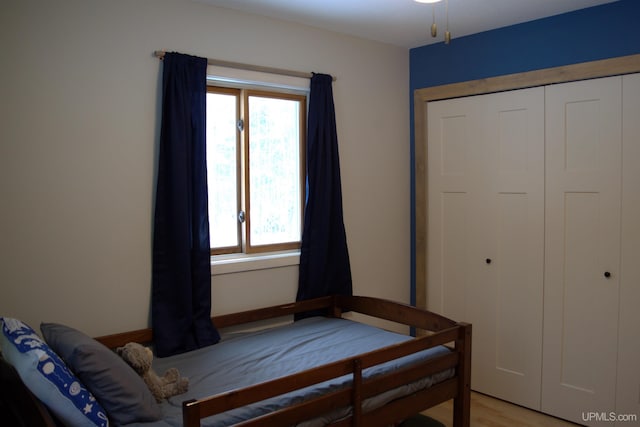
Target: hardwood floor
(489, 412)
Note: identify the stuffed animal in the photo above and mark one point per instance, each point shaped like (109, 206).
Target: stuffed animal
(139, 358)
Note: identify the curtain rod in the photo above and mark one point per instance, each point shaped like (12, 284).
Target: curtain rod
(240, 66)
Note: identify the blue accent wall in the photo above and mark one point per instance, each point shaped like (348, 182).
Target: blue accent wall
(599, 32)
(589, 34)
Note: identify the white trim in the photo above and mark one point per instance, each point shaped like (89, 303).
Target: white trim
(243, 78)
(235, 263)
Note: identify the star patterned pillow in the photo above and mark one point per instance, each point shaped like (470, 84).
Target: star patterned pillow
(48, 377)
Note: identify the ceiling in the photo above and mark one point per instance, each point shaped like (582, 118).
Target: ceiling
(404, 22)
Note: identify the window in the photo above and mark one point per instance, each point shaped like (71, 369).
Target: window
(255, 163)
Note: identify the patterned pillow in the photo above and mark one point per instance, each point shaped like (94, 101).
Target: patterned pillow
(47, 376)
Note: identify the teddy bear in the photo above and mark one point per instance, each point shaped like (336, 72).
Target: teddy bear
(139, 358)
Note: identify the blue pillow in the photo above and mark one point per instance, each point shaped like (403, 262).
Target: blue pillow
(47, 376)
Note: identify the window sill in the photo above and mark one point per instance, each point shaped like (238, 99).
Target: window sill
(236, 263)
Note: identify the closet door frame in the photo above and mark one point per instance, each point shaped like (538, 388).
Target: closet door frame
(582, 71)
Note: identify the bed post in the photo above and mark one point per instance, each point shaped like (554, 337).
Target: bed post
(190, 413)
(462, 402)
(357, 393)
(335, 309)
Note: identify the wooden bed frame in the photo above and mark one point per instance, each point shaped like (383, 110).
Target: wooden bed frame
(434, 330)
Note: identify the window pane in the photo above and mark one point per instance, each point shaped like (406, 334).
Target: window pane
(222, 169)
(274, 170)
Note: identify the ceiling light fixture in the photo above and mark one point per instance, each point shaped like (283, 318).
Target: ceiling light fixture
(434, 26)
(447, 33)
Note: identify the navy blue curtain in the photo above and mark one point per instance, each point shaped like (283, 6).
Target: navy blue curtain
(181, 283)
(324, 257)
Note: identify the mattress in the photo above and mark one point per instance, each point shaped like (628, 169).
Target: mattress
(244, 359)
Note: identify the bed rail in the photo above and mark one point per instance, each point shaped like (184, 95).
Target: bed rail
(352, 396)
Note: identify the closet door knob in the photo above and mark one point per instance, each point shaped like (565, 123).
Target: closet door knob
(607, 274)
(488, 260)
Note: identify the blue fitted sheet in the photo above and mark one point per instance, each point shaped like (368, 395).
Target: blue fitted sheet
(245, 359)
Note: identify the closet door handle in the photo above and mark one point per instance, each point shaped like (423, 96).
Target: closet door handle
(607, 274)
(488, 260)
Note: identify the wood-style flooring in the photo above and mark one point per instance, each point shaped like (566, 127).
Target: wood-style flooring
(489, 412)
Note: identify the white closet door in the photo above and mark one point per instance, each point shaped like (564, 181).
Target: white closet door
(453, 183)
(582, 253)
(628, 396)
(505, 299)
(485, 233)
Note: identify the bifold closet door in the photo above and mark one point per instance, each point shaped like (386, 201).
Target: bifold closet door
(628, 387)
(582, 249)
(486, 233)
(454, 172)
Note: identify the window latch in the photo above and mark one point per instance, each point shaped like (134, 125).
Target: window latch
(240, 125)
(241, 216)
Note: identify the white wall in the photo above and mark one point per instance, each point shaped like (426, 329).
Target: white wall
(78, 136)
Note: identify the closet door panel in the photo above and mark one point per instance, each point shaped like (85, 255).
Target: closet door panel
(452, 176)
(507, 310)
(510, 358)
(453, 249)
(582, 254)
(628, 395)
